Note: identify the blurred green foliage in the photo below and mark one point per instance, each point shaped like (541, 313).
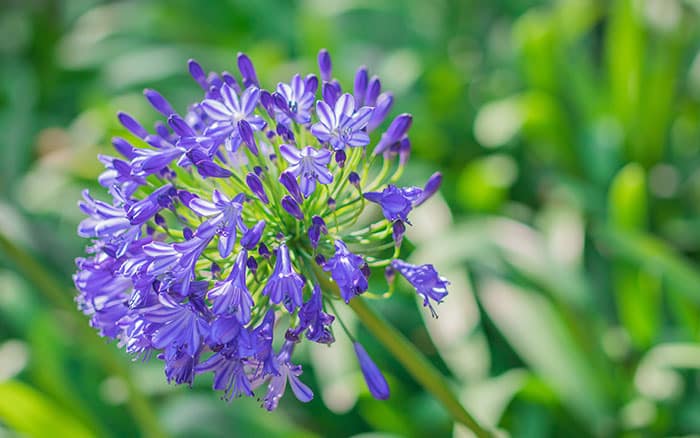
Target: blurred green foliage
(569, 135)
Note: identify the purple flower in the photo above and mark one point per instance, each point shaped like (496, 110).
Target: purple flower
(229, 374)
(346, 270)
(314, 320)
(310, 164)
(225, 216)
(278, 383)
(141, 211)
(373, 376)
(252, 236)
(109, 223)
(341, 126)
(425, 279)
(175, 263)
(295, 100)
(396, 202)
(232, 296)
(284, 283)
(317, 227)
(179, 366)
(181, 326)
(227, 113)
(396, 132)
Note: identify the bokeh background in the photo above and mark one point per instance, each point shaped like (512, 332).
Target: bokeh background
(568, 133)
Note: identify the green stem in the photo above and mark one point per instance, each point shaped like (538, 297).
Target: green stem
(412, 359)
(137, 403)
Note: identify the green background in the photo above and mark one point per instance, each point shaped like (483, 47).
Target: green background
(568, 133)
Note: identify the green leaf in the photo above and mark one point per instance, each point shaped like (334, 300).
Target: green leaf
(29, 412)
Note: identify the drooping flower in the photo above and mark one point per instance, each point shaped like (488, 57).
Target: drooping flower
(232, 296)
(396, 202)
(425, 279)
(346, 270)
(284, 283)
(376, 383)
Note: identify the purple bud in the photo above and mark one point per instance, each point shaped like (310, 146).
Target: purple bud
(318, 226)
(354, 179)
(374, 378)
(331, 204)
(185, 196)
(267, 102)
(245, 66)
(159, 220)
(390, 274)
(123, 147)
(311, 84)
(398, 230)
(360, 89)
(431, 187)
(291, 207)
(320, 260)
(384, 103)
(396, 131)
(280, 102)
(258, 170)
(230, 81)
(252, 264)
(256, 187)
(247, 136)
(284, 132)
(208, 168)
(289, 181)
(159, 103)
(215, 269)
(331, 92)
(187, 233)
(150, 230)
(340, 158)
(264, 251)
(198, 74)
(251, 237)
(373, 90)
(132, 125)
(324, 65)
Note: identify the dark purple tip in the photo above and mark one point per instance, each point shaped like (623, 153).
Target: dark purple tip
(324, 65)
(373, 90)
(185, 197)
(247, 135)
(340, 158)
(256, 186)
(264, 251)
(431, 187)
(291, 207)
(187, 233)
(331, 203)
(267, 102)
(252, 264)
(198, 74)
(365, 270)
(390, 274)
(320, 260)
(215, 269)
(230, 81)
(310, 84)
(159, 220)
(245, 66)
(258, 170)
(132, 125)
(354, 179)
(158, 102)
(374, 378)
(331, 92)
(360, 86)
(289, 181)
(318, 226)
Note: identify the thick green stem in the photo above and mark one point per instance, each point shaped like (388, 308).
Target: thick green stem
(412, 359)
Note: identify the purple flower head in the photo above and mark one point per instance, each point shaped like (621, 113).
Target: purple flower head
(342, 126)
(225, 217)
(373, 376)
(425, 279)
(396, 202)
(284, 284)
(295, 100)
(232, 296)
(345, 268)
(310, 164)
(395, 133)
(229, 111)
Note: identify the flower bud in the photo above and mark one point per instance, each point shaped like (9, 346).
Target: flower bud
(245, 66)
(256, 187)
(290, 183)
(251, 237)
(324, 65)
(292, 207)
(374, 378)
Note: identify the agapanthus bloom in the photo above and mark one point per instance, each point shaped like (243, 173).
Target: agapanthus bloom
(234, 213)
